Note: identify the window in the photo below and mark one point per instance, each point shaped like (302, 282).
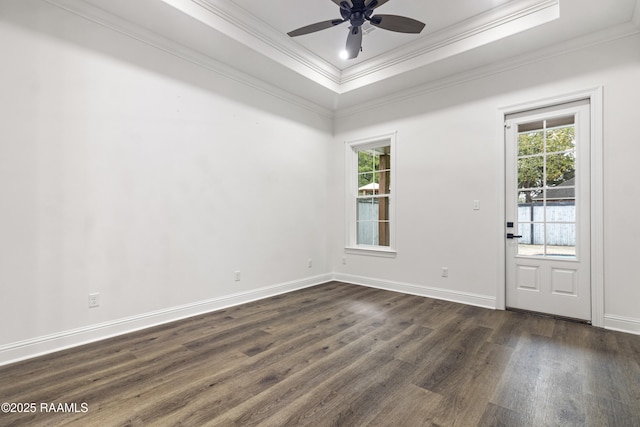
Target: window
(370, 203)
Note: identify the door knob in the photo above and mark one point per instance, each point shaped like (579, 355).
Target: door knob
(512, 236)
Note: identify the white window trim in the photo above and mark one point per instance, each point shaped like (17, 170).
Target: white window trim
(351, 162)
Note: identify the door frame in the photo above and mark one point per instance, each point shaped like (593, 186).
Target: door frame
(595, 97)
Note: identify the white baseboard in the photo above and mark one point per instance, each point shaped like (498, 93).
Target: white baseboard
(21, 350)
(622, 324)
(485, 301)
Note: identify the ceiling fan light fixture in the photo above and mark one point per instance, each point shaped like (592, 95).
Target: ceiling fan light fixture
(358, 13)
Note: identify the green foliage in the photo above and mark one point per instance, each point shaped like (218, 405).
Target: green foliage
(368, 162)
(558, 165)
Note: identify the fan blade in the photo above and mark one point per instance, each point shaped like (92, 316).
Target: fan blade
(315, 27)
(354, 42)
(400, 24)
(340, 1)
(374, 4)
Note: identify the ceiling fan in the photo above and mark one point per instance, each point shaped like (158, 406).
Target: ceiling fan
(357, 12)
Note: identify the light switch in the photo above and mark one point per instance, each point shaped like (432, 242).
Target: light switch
(476, 205)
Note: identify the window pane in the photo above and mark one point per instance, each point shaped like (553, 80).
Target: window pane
(367, 233)
(384, 160)
(367, 220)
(561, 239)
(531, 172)
(367, 209)
(384, 182)
(383, 208)
(366, 184)
(366, 161)
(383, 233)
(373, 195)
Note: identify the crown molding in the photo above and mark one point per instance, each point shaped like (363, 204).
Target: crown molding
(594, 39)
(500, 22)
(105, 19)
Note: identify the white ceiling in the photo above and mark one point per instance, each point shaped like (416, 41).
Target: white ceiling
(247, 39)
(437, 14)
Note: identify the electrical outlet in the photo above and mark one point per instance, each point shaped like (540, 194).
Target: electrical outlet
(94, 300)
(344, 261)
(309, 263)
(445, 272)
(237, 275)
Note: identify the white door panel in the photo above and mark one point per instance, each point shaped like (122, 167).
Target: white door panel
(548, 219)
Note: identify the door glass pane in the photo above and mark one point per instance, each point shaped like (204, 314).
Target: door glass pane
(530, 206)
(547, 187)
(561, 139)
(532, 241)
(565, 191)
(561, 121)
(561, 169)
(563, 210)
(531, 172)
(561, 239)
(530, 143)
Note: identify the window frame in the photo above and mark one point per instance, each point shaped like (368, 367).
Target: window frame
(351, 161)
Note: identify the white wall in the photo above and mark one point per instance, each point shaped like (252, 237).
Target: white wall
(449, 154)
(129, 172)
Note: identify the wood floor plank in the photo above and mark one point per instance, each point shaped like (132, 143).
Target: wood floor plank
(412, 406)
(325, 356)
(340, 355)
(497, 416)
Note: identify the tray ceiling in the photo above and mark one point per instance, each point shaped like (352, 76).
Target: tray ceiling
(249, 36)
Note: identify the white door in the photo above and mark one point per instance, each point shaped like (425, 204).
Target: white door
(548, 218)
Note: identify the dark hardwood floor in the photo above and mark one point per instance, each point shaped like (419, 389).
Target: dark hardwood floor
(339, 355)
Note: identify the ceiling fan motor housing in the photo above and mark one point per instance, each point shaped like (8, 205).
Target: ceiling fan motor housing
(358, 13)
(357, 19)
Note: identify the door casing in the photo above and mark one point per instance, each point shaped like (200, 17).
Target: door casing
(595, 96)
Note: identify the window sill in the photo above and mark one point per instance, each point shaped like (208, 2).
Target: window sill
(378, 251)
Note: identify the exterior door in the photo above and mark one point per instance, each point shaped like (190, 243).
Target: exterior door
(548, 219)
